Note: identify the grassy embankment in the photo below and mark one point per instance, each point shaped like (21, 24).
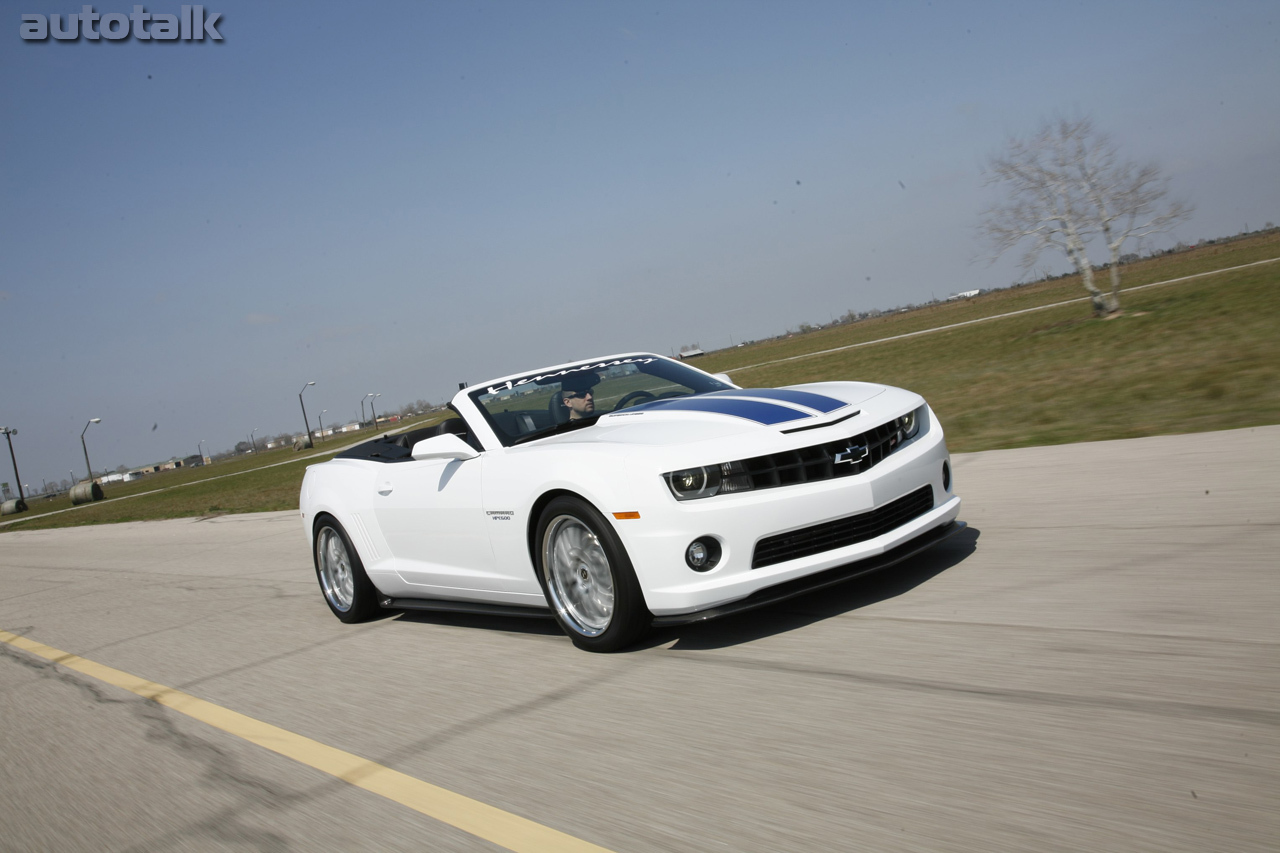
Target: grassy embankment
(260, 482)
(1186, 357)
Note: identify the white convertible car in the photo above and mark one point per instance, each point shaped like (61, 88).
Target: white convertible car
(629, 491)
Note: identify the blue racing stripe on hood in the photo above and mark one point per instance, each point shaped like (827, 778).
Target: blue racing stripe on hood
(808, 399)
(752, 410)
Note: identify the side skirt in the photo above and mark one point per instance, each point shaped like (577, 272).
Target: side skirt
(830, 577)
(442, 605)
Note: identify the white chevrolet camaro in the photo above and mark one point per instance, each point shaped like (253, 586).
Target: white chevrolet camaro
(629, 491)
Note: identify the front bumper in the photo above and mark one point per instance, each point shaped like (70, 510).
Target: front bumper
(809, 583)
(675, 593)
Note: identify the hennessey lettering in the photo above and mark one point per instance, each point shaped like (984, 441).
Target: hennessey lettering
(509, 384)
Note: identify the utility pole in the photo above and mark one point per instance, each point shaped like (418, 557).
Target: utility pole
(9, 433)
(85, 447)
(306, 422)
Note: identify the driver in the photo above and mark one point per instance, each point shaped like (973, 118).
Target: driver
(576, 393)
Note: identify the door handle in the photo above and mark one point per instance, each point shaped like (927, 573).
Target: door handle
(385, 487)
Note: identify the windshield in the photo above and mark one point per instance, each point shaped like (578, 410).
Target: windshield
(566, 398)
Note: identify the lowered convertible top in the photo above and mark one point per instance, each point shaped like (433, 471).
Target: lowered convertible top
(399, 447)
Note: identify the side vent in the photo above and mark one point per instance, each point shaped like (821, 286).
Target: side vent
(365, 538)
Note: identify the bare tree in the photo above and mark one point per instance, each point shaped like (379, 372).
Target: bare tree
(1066, 185)
(1129, 200)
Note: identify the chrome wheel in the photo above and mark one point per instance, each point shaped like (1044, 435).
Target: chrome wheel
(337, 578)
(578, 575)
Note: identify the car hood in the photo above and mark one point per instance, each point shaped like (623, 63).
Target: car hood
(705, 417)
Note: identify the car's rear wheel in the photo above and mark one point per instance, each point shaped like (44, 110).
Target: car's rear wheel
(347, 589)
(588, 578)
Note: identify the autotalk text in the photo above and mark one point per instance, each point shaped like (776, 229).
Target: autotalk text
(191, 24)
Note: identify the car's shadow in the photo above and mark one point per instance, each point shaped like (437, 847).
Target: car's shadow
(754, 624)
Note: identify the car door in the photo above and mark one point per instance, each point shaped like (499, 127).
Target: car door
(432, 516)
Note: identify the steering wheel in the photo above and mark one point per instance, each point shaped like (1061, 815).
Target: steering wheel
(642, 396)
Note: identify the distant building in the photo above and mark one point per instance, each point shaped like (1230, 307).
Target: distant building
(690, 352)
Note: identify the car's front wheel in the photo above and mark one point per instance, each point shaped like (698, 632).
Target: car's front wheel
(588, 578)
(347, 589)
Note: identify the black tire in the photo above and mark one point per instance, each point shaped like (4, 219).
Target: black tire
(587, 577)
(343, 583)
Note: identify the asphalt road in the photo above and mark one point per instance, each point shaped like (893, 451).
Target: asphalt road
(1094, 664)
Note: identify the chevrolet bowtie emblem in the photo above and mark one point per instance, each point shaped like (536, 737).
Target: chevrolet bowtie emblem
(853, 453)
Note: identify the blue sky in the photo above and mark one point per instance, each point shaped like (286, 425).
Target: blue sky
(396, 197)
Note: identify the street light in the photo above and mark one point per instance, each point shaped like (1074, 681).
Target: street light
(372, 412)
(9, 433)
(362, 399)
(320, 418)
(306, 423)
(86, 447)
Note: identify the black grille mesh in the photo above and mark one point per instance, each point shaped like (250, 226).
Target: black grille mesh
(818, 462)
(843, 531)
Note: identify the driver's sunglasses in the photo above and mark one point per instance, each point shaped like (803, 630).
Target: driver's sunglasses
(573, 395)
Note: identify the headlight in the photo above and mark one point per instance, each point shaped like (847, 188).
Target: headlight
(694, 482)
(708, 480)
(909, 424)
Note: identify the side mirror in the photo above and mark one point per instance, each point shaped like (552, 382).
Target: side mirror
(724, 377)
(447, 446)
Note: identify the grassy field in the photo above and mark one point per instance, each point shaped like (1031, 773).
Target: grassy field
(260, 482)
(1186, 357)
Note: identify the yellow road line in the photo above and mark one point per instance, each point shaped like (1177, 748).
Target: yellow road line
(483, 821)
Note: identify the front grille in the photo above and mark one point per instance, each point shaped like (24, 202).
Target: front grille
(843, 531)
(819, 462)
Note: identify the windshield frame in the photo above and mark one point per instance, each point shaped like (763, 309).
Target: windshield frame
(697, 381)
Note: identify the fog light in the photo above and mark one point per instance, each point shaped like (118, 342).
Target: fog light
(702, 554)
